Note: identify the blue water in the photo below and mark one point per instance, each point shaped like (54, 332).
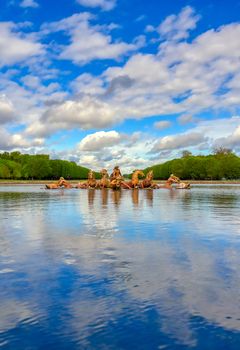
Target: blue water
(131, 269)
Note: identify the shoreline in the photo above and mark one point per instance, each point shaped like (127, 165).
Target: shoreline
(43, 182)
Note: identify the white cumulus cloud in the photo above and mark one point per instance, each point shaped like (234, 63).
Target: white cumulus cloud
(6, 110)
(29, 3)
(105, 5)
(86, 113)
(88, 42)
(16, 141)
(178, 141)
(99, 140)
(184, 77)
(176, 27)
(16, 46)
(231, 141)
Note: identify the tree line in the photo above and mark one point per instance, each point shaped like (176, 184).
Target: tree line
(14, 165)
(223, 164)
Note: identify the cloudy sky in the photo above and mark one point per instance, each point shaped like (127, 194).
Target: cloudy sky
(105, 82)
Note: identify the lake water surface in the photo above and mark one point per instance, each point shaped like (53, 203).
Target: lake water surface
(131, 269)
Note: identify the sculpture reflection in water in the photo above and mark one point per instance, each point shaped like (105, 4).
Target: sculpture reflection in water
(104, 197)
(135, 197)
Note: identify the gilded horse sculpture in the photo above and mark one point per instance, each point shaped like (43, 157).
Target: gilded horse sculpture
(54, 186)
(66, 184)
(90, 183)
(183, 185)
(174, 179)
(134, 181)
(117, 181)
(104, 182)
(171, 180)
(135, 177)
(148, 182)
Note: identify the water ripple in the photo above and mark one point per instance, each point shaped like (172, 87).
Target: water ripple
(119, 270)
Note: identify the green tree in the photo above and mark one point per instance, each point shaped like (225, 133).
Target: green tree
(37, 167)
(4, 171)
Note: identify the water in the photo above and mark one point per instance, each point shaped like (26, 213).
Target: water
(141, 269)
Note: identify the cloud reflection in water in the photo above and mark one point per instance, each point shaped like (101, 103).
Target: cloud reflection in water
(109, 264)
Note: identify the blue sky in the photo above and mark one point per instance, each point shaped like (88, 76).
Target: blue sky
(105, 82)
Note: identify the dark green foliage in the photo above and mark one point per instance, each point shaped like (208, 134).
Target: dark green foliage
(69, 170)
(222, 165)
(36, 167)
(15, 165)
(9, 169)
(4, 171)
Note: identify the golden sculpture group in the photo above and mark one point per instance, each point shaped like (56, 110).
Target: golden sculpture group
(116, 181)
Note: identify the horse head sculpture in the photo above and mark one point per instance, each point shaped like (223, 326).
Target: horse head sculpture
(148, 181)
(135, 177)
(54, 186)
(173, 179)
